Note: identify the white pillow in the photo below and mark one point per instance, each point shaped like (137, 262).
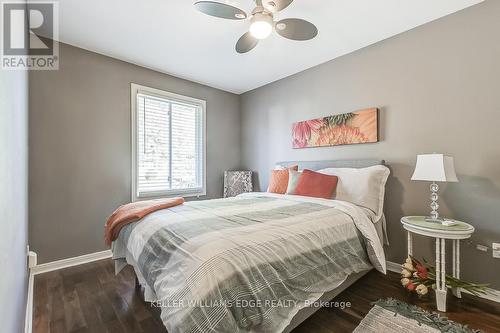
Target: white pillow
(363, 187)
(293, 180)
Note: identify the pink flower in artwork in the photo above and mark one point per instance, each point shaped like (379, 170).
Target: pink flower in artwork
(302, 131)
(299, 144)
(340, 135)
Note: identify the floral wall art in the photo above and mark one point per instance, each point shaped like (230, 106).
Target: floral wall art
(341, 129)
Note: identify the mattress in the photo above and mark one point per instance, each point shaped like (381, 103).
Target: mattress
(247, 264)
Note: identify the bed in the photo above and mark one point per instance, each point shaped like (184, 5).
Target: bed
(258, 262)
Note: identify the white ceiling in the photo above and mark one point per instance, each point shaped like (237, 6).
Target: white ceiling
(170, 36)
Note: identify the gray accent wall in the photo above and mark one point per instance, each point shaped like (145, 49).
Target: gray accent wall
(438, 88)
(13, 199)
(80, 146)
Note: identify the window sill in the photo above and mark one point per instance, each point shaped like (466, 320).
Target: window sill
(170, 195)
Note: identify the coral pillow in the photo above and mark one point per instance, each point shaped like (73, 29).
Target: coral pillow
(315, 184)
(279, 180)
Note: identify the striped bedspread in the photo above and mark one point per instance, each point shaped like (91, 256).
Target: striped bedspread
(246, 264)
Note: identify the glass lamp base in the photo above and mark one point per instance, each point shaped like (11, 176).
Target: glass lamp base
(434, 216)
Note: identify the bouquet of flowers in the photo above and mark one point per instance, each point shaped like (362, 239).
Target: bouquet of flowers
(419, 277)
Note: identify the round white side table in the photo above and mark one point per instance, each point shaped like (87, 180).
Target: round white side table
(461, 230)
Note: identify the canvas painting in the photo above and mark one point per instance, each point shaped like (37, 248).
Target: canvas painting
(341, 129)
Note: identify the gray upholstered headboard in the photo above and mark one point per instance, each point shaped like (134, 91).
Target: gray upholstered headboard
(317, 165)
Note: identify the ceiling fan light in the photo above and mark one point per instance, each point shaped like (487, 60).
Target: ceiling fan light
(261, 26)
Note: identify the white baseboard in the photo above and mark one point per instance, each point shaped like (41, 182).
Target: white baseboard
(52, 266)
(69, 262)
(393, 267)
(491, 294)
(28, 319)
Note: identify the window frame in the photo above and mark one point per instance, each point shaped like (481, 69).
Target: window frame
(136, 89)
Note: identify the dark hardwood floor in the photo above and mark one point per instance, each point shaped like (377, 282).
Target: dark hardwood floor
(90, 298)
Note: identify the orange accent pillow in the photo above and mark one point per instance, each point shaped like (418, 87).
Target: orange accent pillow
(279, 180)
(315, 184)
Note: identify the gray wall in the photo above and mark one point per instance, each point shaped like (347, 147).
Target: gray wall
(80, 150)
(438, 90)
(13, 198)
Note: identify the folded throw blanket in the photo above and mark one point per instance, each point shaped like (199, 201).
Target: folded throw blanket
(132, 212)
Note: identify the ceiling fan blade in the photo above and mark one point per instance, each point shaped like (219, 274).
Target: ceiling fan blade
(275, 5)
(296, 29)
(246, 43)
(221, 10)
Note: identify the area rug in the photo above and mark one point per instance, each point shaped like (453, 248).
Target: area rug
(394, 316)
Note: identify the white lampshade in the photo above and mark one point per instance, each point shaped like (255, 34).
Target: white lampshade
(435, 168)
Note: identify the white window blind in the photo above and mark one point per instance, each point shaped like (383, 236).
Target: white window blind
(169, 144)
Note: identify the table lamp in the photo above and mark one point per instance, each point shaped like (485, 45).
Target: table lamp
(434, 168)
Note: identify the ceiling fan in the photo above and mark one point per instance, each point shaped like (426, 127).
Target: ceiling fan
(261, 21)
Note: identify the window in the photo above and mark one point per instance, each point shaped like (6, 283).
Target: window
(168, 144)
